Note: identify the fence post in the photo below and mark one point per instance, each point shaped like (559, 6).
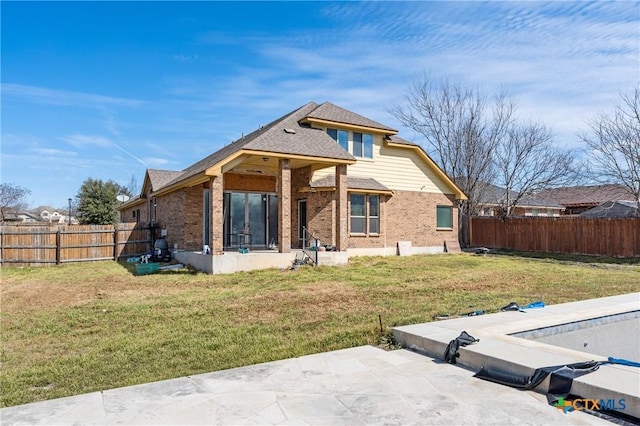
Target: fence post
(58, 246)
(115, 242)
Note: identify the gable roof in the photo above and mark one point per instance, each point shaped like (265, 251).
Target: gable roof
(333, 113)
(585, 196)
(285, 135)
(492, 194)
(395, 141)
(159, 178)
(292, 136)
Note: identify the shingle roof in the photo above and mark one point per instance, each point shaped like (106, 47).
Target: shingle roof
(585, 195)
(160, 178)
(397, 139)
(331, 112)
(353, 182)
(296, 140)
(492, 194)
(621, 208)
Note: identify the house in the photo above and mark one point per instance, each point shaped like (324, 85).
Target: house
(20, 218)
(577, 199)
(611, 209)
(53, 216)
(492, 198)
(321, 173)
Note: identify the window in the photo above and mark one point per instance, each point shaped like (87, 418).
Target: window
(340, 136)
(444, 217)
(365, 214)
(367, 141)
(357, 144)
(358, 213)
(374, 214)
(362, 143)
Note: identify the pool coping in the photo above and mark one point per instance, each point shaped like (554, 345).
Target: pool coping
(497, 349)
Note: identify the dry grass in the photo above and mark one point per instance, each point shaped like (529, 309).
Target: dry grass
(85, 327)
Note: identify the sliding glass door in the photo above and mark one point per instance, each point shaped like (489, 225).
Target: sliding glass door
(248, 219)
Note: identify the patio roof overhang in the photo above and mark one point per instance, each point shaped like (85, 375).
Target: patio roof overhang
(265, 162)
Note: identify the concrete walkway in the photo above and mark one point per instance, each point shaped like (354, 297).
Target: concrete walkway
(358, 386)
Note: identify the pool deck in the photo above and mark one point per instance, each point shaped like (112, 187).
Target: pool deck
(497, 349)
(358, 386)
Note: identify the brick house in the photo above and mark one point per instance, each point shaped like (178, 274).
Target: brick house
(348, 180)
(491, 203)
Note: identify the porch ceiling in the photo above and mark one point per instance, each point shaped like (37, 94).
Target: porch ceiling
(267, 165)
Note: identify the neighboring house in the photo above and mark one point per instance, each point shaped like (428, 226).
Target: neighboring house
(47, 214)
(20, 217)
(577, 199)
(347, 179)
(50, 215)
(492, 198)
(613, 209)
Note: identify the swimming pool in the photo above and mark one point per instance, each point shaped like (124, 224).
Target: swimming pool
(610, 336)
(518, 343)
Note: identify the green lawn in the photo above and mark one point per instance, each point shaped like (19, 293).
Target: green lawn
(85, 327)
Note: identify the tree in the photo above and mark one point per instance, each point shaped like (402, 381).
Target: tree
(96, 202)
(132, 187)
(12, 198)
(526, 161)
(614, 144)
(462, 130)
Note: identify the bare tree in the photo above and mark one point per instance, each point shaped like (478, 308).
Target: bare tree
(526, 161)
(461, 128)
(614, 143)
(133, 187)
(12, 198)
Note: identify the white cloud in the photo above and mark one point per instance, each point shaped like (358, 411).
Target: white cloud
(84, 141)
(65, 98)
(155, 162)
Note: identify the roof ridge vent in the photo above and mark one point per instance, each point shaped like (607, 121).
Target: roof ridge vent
(289, 131)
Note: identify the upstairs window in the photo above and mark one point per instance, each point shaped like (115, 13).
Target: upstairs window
(340, 136)
(361, 143)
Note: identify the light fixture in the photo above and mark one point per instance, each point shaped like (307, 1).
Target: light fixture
(265, 159)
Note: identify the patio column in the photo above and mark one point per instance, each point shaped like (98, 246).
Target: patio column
(342, 213)
(216, 220)
(284, 206)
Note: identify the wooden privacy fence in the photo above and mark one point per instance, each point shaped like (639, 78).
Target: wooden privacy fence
(41, 245)
(618, 237)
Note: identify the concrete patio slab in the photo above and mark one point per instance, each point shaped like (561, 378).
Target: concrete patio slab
(358, 386)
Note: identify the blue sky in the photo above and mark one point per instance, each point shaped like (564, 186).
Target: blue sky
(108, 89)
